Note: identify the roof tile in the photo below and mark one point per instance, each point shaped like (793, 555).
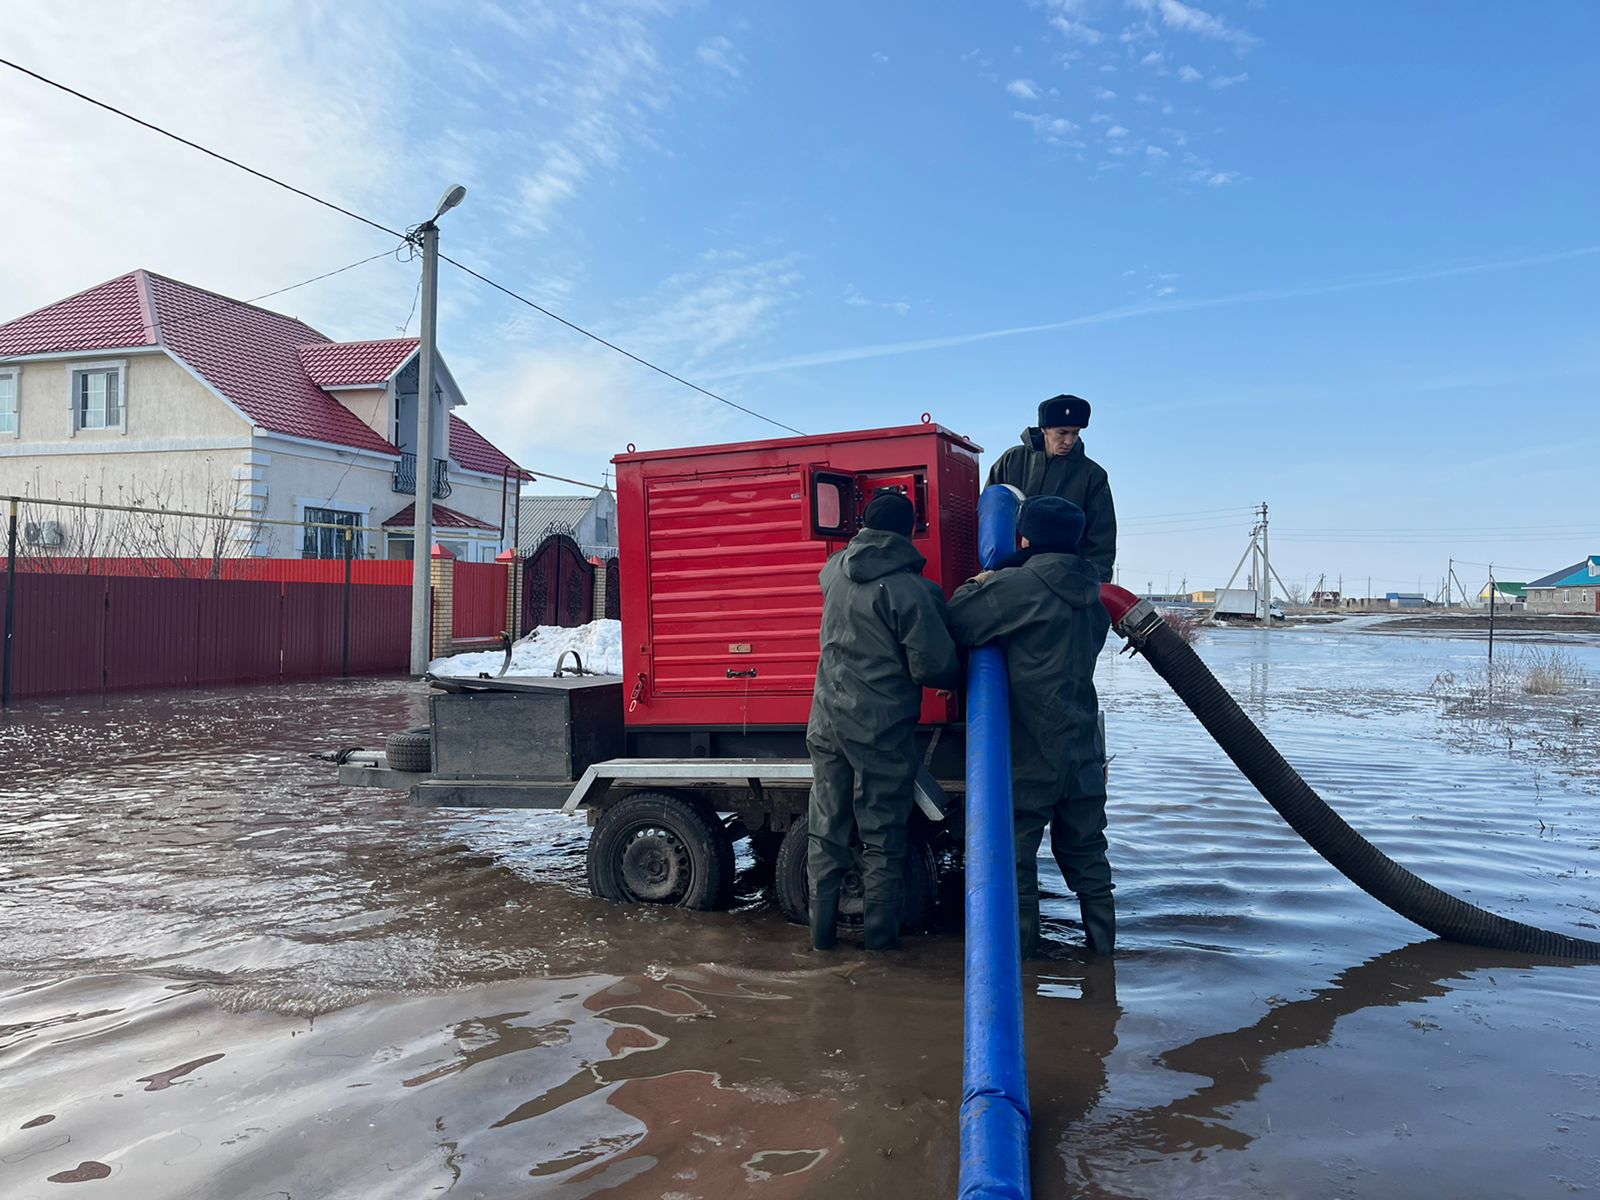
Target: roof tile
(443, 518)
(352, 364)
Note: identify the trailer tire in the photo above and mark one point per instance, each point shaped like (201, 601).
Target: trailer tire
(411, 750)
(661, 848)
(921, 883)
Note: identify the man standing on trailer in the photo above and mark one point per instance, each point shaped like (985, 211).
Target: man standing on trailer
(1044, 608)
(884, 639)
(1051, 462)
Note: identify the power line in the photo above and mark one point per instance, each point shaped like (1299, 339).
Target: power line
(644, 362)
(206, 312)
(262, 175)
(232, 162)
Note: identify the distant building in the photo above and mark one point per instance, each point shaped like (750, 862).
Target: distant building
(590, 520)
(1574, 589)
(1512, 594)
(1326, 599)
(1203, 597)
(1405, 600)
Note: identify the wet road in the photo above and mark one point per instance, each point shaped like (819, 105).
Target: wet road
(223, 976)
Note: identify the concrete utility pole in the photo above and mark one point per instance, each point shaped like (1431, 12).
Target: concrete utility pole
(422, 515)
(1451, 571)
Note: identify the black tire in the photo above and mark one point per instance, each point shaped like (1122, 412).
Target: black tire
(794, 895)
(661, 848)
(410, 751)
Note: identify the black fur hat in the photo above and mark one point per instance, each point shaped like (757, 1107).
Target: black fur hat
(1064, 410)
(1051, 524)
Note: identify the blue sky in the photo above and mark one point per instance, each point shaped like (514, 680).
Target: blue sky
(1340, 258)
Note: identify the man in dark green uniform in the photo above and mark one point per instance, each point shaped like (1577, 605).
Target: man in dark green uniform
(1044, 609)
(884, 638)
(1051, 462)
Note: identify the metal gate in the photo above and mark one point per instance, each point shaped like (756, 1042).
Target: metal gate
(558, 585)
(613, 589)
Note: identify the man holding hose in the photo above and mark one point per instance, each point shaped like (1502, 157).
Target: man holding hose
(1043, 607)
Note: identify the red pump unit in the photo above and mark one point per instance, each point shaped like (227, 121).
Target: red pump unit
(720, 550)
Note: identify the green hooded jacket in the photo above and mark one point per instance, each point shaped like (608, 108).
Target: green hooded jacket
(1048, 616)
(1072, 476)
(885, 637)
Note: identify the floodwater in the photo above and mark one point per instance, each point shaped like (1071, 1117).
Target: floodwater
(221, 975)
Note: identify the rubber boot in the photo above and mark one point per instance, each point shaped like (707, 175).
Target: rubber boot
(825, 917)
(881, 925)
(1099, 923)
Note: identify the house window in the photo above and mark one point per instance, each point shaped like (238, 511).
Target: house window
(99, 399)
(8, 402)
(324, 542)
(602, 530)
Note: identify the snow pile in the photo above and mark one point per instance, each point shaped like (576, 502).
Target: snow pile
(598, 643)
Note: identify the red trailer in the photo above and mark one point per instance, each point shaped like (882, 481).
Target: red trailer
(702, 740)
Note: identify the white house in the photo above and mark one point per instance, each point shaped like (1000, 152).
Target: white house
(590, 520)
(151, 392)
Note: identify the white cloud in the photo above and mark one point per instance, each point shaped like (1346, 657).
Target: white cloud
(1023, 89)
(1155, 152)
(1185, 18)
(1214, 179)
(1056, 131)
(1116, 131)
(1067, 17)
(1189, 75)
(854, 298)
(1226, 81)
(879, 57)
(720, 54)
(1101, 93)
(1153, 59)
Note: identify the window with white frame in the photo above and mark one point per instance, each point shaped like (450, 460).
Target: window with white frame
(332, 533)
(8, 402)
(98, 396)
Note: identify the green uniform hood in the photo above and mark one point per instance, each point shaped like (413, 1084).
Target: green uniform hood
(874, 553)
(1068, 576)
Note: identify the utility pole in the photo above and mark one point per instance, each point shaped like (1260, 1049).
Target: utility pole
(1492, 591)
(1266, 571)
(422, 513)
(1449, 572)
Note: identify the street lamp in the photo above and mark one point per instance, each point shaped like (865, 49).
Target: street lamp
(422, 508)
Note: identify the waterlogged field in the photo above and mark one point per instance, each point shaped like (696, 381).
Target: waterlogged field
(224, 976)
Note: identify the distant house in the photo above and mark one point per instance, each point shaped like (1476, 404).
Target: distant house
(147, 391)
(590, 520)
(1405, 600)
(1574, 589)
(1505, 593)
(1326, 599)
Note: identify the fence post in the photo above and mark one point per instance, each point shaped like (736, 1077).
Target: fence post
(349, 548)
(512, 562)
(444, 579)
(11, 595)
(600, 570)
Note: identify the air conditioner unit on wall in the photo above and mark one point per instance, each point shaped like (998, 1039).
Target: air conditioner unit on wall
(43, 533)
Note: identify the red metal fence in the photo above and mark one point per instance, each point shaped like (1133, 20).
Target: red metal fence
(102, 632)
(388, 572)
(478, 600)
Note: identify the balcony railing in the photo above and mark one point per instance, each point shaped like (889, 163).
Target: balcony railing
(405, 476)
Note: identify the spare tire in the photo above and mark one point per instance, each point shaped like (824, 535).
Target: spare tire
(921, 895)
(411, 750)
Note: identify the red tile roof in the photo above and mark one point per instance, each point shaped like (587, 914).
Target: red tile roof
(353, 364)
(443, 518)
(113, 315)
(477, 453)
(272, 367)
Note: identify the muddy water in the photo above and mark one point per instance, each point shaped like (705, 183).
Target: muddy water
(223, 976)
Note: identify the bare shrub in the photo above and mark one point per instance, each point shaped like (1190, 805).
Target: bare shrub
(1552, 672)
(1185, 625)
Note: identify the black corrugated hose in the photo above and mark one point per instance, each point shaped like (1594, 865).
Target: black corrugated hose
(1325, 830)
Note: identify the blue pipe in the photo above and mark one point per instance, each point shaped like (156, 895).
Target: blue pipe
(994, 1094)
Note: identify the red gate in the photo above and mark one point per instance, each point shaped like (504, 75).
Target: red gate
(558, 586)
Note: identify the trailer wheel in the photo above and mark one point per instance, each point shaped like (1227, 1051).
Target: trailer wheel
(661, 848)
(411, 750)
(794, 893)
